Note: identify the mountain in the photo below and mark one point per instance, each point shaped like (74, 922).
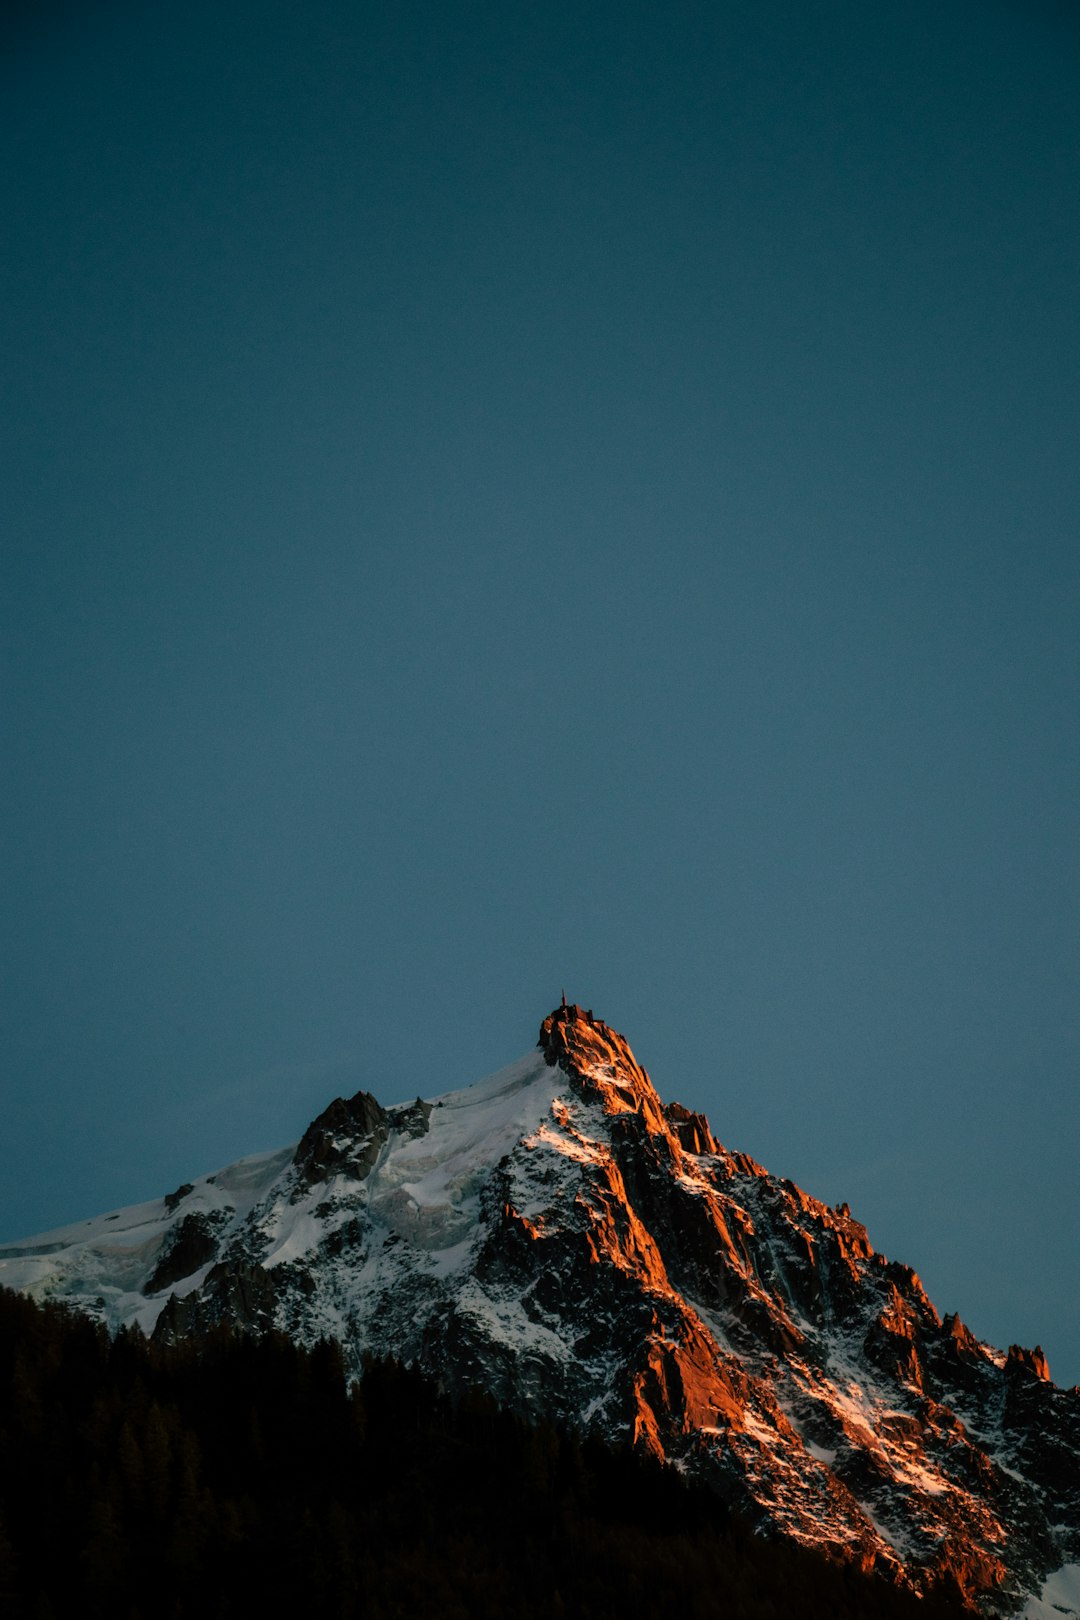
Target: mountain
(560, 1238)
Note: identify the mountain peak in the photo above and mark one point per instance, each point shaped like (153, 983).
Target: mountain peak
(600, 1060)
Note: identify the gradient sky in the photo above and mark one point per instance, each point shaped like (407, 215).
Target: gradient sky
(499, 497)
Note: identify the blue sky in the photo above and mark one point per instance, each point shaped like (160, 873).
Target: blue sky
(498, 498)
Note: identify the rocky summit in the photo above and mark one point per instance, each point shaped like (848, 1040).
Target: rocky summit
(562, 1238)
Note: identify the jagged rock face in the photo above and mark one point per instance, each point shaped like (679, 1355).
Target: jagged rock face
(559, 1237)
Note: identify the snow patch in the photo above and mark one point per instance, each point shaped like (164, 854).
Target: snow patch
(821, 1454)
(1059, 1598)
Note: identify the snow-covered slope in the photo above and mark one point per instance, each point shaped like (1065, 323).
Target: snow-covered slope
(559, 1237)
(107, 1266)
(1059, 1598)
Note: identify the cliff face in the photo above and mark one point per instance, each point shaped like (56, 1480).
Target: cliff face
(560, 1237)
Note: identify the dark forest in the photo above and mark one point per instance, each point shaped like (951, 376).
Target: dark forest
(241, 1475)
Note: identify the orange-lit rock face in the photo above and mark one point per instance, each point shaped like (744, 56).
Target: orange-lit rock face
(755, 1287)
(691, 1129)
(1032, 1361)
(615, 1234)
(961, 1338)
(682, 1389)
(713, 1239)
(602, 1063)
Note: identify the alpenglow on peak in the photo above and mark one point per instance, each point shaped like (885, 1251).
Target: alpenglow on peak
(559, 1236)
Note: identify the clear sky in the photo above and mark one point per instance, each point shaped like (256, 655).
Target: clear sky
(497, 497)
